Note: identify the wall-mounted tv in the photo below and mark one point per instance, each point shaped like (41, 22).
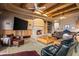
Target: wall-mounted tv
(20, 24)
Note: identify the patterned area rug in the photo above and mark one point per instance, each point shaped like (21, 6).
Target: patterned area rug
(23, 53)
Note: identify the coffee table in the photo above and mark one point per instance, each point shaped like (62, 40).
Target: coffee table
(18, 42)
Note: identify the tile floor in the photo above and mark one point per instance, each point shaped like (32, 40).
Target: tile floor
(30, 44)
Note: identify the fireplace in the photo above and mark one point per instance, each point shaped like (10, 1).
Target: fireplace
(39, 32)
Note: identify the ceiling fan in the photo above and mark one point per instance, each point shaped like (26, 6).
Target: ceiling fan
(36, 8)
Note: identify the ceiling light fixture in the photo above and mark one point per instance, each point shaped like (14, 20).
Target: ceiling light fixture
(62, 17)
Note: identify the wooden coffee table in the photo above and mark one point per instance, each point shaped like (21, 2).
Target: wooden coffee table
(18, 42)
(46, 40)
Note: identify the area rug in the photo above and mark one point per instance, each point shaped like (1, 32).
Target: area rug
(23, 53)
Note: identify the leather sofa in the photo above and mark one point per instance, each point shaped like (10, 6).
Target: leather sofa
(61, 50)
(49, 51)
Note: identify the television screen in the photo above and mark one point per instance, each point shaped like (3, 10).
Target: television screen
(20, 24)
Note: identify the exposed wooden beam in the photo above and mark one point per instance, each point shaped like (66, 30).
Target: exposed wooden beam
(68, 13)
(41, 4)
(48, 5)
(52, 7)
(18, 10)
(22, 5)
(64, 11)
(77, 4)
(58, 8)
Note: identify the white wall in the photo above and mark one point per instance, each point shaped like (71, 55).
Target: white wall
(7, 21)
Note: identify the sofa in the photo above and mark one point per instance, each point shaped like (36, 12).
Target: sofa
(13, 41)
(59, 50)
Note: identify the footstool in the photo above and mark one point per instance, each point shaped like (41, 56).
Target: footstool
(18, 42)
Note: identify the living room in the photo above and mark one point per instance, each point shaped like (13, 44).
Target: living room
(31, 30)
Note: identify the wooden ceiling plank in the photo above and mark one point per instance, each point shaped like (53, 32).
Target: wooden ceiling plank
(41, 4)
(48, 5)
(49, 8)
(64, 11)
(61, 7)
(67, 13)
(22, 5)
(77, 4)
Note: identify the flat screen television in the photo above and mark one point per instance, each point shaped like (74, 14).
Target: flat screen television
(20, 24)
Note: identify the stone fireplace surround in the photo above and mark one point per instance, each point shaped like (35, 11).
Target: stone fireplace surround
(37, 32)
(38, 28)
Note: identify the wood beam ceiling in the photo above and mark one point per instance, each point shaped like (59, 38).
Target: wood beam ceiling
(52, 7)
(67, 13)
(22, 5)
(48, 5)
(41, 4)
(26, 5)
(63, 9)
(77, 4)
(58, 8)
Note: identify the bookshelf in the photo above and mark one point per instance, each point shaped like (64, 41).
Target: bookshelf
(49, 25)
